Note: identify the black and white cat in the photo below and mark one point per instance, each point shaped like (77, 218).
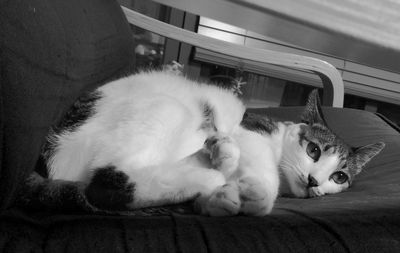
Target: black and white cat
(158, 138)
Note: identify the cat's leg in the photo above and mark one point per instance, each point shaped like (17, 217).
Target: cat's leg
(121, 188)
(187, 179)
(250, 189)
(252, 181)
(257, 175)
(223, 201)
(257, 196)
(174, 183)
(224, 153)
(249, 195)
(224, 156)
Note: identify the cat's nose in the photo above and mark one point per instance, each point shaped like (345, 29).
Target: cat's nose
(312, 182)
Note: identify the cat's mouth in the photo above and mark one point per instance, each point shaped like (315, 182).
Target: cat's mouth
(303, 190)
(314, 192)
(305, 193)
(310, 191)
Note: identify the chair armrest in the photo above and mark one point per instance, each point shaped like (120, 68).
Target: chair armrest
(331, 78)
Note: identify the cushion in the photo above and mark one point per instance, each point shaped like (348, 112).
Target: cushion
(365, 218)
(51, 51)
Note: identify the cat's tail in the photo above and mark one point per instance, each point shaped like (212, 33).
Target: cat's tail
(42, 194)
(60, 196)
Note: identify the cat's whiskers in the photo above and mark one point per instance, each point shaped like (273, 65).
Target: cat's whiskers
(293, 164)
(294, 177)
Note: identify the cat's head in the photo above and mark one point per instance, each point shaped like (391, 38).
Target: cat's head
(315, 161)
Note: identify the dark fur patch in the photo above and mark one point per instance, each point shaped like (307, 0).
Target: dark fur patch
(208, 117)
(258, 123)
(77, 114)
(81, 110)
(302, 134)
(109, 189)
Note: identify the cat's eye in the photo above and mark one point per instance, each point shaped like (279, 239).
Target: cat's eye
(339, 177)
(313, 151)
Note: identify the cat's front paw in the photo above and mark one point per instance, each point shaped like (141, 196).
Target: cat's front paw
(224, 153)
(255, 198)
(224, 201)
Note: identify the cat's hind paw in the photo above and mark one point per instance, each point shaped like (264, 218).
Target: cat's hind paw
(255, 198)
(110, 189)
(224, 201)
(224, 154)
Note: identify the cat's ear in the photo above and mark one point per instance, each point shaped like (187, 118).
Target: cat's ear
(313, 112)
(363, 155)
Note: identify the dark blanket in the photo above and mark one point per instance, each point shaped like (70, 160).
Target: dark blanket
(365, 218)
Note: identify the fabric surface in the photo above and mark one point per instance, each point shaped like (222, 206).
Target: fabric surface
(51, 51)
(365, 218)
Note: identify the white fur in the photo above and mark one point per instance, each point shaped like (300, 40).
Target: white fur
(143, 120)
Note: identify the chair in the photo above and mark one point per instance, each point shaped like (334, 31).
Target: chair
(332, 81)
(53, 50)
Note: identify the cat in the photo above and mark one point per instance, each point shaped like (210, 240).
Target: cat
(157, 138)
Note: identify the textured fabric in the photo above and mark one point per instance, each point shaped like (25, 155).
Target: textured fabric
(365, 218)
(52, 50)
